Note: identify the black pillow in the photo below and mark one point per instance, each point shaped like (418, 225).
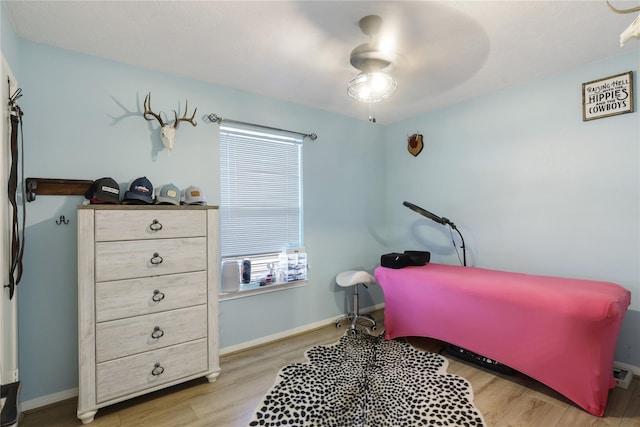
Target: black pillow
(418, 257)
(394, 260)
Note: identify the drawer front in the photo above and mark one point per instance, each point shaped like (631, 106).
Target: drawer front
(131, 374)
(144, 258)
(124, 337)
(135, 297)
(149, 224)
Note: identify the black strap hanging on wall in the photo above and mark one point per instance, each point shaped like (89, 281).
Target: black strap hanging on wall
(17, 232)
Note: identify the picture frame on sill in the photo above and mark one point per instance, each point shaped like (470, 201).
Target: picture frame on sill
(607, 97)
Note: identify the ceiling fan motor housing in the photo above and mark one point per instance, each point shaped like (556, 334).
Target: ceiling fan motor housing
(367, 57)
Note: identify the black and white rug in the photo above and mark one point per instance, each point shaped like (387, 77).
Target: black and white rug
(367, 381)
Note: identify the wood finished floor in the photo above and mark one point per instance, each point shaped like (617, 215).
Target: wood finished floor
(246, 376)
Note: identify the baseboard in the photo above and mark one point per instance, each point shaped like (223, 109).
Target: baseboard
(41, 401)
(289, 333)
(71, 393)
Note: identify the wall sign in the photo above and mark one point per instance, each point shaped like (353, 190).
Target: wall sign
(606, 97)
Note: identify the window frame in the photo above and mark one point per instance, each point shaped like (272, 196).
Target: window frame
(230, 134)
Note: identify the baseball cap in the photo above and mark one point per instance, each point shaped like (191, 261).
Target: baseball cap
(140, 192)
(168, 194)
(104, 190)
(192, 195)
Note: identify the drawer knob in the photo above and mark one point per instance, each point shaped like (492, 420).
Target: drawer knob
(157, 370)
(156, 259)
(157, 333)
(157, 296)
(155, 225)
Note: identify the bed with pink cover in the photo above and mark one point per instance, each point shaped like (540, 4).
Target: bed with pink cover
(561, 332)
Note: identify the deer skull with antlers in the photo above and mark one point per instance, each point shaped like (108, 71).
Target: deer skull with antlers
(632, 30)
(168, 133)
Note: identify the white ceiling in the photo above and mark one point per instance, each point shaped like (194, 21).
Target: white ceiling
(299, 50)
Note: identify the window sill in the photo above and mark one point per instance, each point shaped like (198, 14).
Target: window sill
(252, 289)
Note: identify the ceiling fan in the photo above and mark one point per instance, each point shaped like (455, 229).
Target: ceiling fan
(374, 61)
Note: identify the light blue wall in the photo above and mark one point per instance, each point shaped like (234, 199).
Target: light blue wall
(531, 186)
(83, 121)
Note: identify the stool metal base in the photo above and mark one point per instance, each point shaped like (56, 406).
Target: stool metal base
(355, 315)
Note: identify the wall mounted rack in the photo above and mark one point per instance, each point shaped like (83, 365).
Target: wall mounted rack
(55, 187)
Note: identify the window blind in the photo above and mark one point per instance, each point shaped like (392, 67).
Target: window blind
(261, 191)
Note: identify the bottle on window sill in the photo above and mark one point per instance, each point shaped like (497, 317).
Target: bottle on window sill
(246, 271)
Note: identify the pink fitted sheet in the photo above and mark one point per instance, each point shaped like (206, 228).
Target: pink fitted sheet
(561, 332)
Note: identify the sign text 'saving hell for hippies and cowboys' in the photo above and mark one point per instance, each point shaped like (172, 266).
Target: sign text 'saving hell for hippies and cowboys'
(607, 97)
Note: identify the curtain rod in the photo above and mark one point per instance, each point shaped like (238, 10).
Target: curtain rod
(214, 118)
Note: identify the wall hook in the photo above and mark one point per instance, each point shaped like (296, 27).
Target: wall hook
(62, 220)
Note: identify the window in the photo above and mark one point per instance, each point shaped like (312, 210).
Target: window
(260, 196)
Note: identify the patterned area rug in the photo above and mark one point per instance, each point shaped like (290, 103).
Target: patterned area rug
(369, 382)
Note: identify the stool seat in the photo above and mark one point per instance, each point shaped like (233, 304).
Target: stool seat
(354, 278)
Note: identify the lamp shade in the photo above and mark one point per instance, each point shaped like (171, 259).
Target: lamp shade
(372, 87)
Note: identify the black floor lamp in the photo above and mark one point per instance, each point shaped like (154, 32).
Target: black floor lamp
(441, 220)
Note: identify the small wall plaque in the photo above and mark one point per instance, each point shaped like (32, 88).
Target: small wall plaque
(415, 144)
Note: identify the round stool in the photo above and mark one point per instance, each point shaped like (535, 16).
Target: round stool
(355, 278)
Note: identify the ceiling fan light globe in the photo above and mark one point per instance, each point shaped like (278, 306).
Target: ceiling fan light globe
(372, 87)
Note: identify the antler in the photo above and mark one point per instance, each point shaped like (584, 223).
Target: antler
(147, 110)
(184, 117)
(633, 9)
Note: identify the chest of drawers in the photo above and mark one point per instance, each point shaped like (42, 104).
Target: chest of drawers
(147, 300)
